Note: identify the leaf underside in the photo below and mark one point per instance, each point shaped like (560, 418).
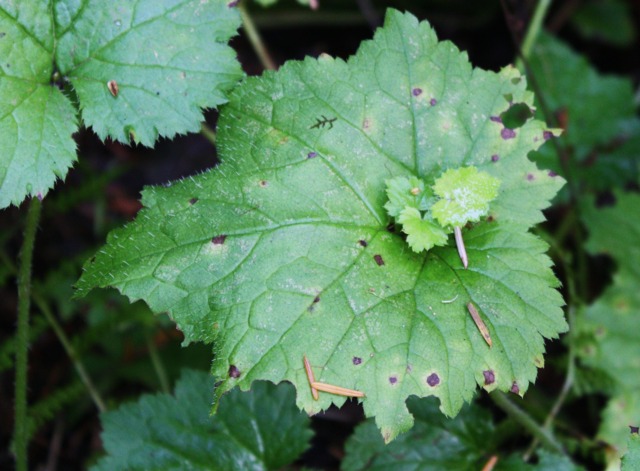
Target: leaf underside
(169, 60)
(284, 251)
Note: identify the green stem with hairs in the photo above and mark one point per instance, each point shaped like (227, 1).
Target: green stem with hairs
(20, 431)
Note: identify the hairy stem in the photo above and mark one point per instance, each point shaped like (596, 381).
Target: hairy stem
(525, 420)
(71, 353)
(20, 433)
(255, 39)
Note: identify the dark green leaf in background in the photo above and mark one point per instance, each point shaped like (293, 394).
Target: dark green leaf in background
(283, 250)
(257, 430)
(600, 145)
(609, 337)
(436, 443)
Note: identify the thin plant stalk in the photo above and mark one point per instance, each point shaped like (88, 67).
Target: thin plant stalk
(534, 30)
(525, 420)
(71, 353)
(255, 39)
(21, 432)
(157, 365)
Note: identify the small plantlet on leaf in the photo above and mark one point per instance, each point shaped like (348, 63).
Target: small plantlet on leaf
(330, 388)
(429, 214)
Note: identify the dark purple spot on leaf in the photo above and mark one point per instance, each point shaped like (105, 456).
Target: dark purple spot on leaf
(552, 173)
(547, 135)
(495, 158)
(489, 377)
(219, 239)
(316, 299)
(496, 119)
(311, 155)
(515, 389)
(378, 259)
(393, 379)
(530, 177)
(357, 360)
(193, 200)
(234, 3)
(433, 102)
(634, 429)
(417, 91)
(363, 243)
(507, 133)
(433, 380)
(234, 372)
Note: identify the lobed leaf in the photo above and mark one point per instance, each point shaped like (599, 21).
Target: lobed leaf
(258, 430)
(465, 196)
(165, 61)
(36, 119)
(283, 250)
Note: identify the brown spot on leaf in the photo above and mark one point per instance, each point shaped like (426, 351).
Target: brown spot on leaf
(378, 259)
(219, 239)
(264, 183)
(489, 377)
(363, 243)
(234, 372)
(507, 133)
(433, 380)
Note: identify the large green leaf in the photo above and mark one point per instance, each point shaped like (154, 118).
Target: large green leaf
(608, 335)
(168, 59)
(259, 430)
(283, 250)
(600, 147)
